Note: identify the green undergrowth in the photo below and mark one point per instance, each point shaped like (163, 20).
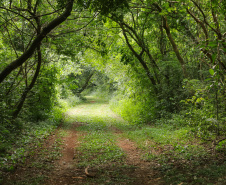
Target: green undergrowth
(99, 148)
(70, 101)
(115, 174)
(211, 173)
(97, 143)
(41, 160)
(180, 157)
(19, 144)
(165, 137)
(22, 136)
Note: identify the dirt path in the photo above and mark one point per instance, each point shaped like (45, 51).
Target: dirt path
(65, 171)
(144, 172)
(56, 162)
(92, 137)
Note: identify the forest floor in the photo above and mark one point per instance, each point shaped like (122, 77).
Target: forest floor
(95, 146)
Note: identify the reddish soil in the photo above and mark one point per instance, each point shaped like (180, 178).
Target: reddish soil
(28, 169)
(65, 172)
(144, 172)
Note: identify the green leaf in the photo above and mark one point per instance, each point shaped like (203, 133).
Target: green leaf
(211, 71)
(212, 44)
(208, 79)
(214, 57)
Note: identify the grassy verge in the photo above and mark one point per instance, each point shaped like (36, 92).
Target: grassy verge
(98, 144)
(23, 138)
(20, 144)
(181, 158)
(39, 162)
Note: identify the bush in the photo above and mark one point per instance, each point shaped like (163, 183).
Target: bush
(134, 111)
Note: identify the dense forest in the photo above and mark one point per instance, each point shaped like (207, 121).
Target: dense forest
(156, 63)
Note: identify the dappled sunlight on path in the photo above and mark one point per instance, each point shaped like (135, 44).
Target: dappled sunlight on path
(94, 111)
(93, 146)
(89, 148)
(105, 134)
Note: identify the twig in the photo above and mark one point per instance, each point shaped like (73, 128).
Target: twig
(87, 173)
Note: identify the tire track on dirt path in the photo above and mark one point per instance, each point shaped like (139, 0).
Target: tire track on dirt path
(144, 172)
(65, 170)
(39, 157)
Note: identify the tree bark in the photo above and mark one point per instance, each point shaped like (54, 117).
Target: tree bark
(176, 51)
(26, 91)
(86, 83)
(170, 37)
(27, 54)
(142, 62)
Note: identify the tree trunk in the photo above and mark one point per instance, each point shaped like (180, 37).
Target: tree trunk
(27, 54)
(176, 51)
(86, 83)
(142, 62)
(28, 88)
(26, 91)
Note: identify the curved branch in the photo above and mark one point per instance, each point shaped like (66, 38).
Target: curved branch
(204, 18)
(10, 10)
(27, 54)
(139, 57)
(72, 31)
(26, 91)
(170, 37)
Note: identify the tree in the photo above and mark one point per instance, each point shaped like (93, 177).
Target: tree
(36, 42)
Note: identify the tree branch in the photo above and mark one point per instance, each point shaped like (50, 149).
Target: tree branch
(27, 54)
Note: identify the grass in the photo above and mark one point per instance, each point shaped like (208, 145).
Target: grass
(36, 180)
(98, 149)
(163, 138)
(179, 157)
(18, 145)
(41, 162)
(210, 174)
(98, 143)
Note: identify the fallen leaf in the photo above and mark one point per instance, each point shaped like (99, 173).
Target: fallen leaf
(157, 179)
(77, 177)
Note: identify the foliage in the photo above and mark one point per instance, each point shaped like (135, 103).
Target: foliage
(167, 144)
(104, 6)
(15, 147)
(154, 60)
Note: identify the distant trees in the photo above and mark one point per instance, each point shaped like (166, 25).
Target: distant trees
(175, 53)
(162, 56)
(26, 41)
